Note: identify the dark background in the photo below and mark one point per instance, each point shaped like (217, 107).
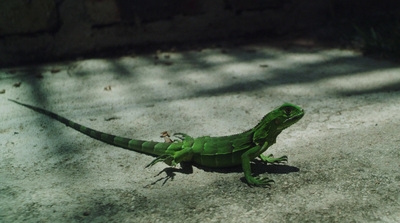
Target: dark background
(48, 30)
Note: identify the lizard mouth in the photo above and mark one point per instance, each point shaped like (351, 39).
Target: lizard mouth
(296, 117)
(299, 116)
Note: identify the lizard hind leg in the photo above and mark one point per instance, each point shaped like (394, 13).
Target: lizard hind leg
(175, 154)
(181, 136)
(167, 158)
(174, 157)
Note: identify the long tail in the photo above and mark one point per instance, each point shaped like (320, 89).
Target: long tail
(147, 147)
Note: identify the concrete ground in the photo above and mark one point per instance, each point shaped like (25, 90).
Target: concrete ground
(343, 155)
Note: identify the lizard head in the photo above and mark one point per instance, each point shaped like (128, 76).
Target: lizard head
(277, 120)
(286, 115)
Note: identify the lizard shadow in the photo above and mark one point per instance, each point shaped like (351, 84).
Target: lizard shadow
(186, 168)
(258, 167)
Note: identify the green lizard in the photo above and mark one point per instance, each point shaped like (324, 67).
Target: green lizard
(214, 152)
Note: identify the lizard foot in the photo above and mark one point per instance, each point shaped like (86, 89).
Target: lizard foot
(260, 181)
(270, 159)
(180, 136)
(167, 158)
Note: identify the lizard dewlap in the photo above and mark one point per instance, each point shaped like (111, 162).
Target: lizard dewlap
(215, 152)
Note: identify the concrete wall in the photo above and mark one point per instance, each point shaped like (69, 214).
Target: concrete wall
(40, 30)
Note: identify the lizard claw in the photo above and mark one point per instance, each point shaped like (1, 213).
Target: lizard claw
(270, 159)
(167, 158)
(260, 181)
(180, 135)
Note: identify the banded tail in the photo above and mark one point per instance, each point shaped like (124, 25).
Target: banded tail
(147, 147)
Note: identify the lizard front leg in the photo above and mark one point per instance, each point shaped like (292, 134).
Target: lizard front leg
(246, 158)
(270, 159)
